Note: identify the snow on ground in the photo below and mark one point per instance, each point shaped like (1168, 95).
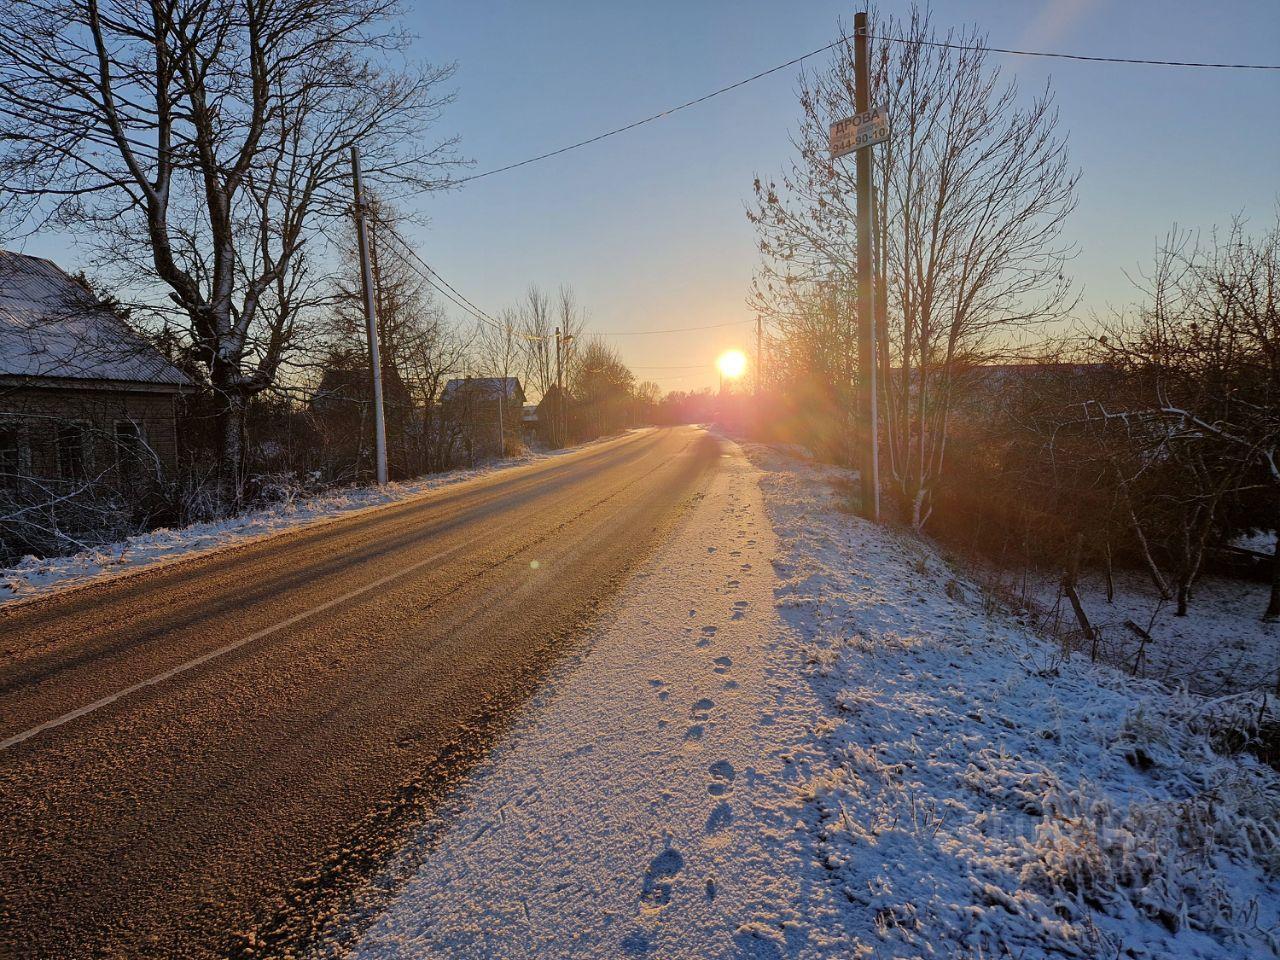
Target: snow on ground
(1221, 646)
(34, 576)
(976, 795)
(646, 804)
(816, 741)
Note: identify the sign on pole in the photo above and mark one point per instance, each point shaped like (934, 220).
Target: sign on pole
(860, 130)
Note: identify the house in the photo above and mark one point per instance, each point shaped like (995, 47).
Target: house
(529, 422)
(489, 412)
(83, 397)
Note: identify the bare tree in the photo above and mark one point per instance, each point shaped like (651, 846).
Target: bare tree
(418, 347)
(200, 139)
(1203, 358)
(972, 192)
(538, 343)
(500, 350)
(603, 387)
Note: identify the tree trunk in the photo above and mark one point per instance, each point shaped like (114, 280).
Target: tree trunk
(231, 454)
(1184, 592)
(1069, 577)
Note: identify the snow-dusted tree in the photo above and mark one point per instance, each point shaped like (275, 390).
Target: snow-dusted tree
(973, 188)
(198, 142)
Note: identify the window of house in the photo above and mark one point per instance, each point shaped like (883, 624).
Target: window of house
(71, 450)
(10, 457)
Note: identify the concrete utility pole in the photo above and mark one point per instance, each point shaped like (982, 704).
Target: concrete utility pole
(867, 413)
(371, 321)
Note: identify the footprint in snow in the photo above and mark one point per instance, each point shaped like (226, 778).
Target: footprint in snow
(722, 664)
(700, 709)
(658, 879)
(720, 818)
(722, 774)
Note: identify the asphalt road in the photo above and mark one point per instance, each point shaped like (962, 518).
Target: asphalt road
(291, 707)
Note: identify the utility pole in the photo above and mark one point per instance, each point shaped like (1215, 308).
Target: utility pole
(371, 321)
(567, 341)
(759, 355)
(559, 393)
(502, 424)
(867, 412)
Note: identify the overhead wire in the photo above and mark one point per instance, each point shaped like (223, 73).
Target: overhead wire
(1008, 51)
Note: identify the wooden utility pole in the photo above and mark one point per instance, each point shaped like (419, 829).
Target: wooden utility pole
(559, 394)
(867, 413)
(759, 355)
(566, 341)
(371, 321)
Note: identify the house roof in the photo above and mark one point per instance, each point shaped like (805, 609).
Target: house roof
(485, 387)
(51, 327)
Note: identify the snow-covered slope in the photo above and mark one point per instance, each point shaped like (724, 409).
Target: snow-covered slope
(975, 794)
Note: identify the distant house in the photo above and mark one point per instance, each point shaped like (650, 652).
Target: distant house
(529, 422)
(489, 412)
(82, 396)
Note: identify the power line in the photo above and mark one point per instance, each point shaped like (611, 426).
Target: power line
(454, 295)
(1009, 51)
(690, 366)
(1081, 56)
(657, 116)
(644, 333)
(462, 302)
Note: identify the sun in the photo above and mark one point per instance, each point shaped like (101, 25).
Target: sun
(732, 364)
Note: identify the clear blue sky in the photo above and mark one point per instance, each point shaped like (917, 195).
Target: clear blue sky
(649, 226)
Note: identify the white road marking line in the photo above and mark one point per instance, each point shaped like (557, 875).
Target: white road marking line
(214, 654)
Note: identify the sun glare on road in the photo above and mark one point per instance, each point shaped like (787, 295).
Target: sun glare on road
(732, 364)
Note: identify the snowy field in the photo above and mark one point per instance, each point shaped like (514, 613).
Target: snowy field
(799, 735)
(1221, 646)
(35, 576)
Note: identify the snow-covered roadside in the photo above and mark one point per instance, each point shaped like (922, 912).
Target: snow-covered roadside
(973, 794)
(644, 804)
(1221, 646)
(35, 576)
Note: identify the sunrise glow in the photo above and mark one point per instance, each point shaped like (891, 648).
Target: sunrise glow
(732, 364)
